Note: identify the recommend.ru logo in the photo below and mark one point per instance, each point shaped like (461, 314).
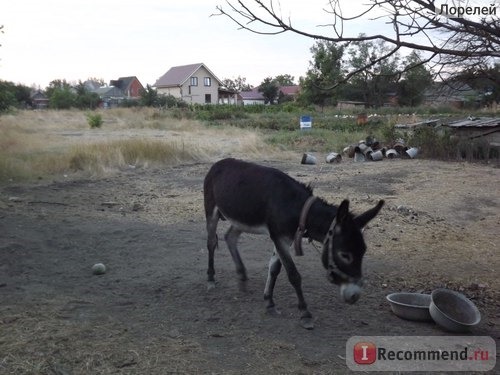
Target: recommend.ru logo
(421, 353)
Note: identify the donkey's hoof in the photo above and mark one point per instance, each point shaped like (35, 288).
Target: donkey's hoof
(210, 285)
(307, 322)
(243, 286)
(272, 311)
(242, 276)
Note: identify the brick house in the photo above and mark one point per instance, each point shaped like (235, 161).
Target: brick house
(130, 86)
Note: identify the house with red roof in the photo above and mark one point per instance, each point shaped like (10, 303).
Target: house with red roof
(193, 83)
(254, 96)
(290, 91)
(130, 86)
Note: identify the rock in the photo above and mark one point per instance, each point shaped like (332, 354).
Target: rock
(137, 207)
(99, 269)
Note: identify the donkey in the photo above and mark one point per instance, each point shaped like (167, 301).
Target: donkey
(263, 200)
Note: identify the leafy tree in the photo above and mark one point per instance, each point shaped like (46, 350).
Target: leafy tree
(12, 95)
(239, 84)
(61, 95)
(149, 96)
(319, 85)
(371, 85)
(484, 79)
(7, 96)
(285, 80)
(269, 89)
(414, 81)
(86, 99)
(23, 95)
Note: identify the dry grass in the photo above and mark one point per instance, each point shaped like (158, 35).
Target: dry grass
(97, 158)
(50, 143)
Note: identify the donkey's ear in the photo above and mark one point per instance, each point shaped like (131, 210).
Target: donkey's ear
(343, 211)
(365, 217)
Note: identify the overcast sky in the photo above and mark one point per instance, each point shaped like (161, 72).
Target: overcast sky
(72, 40)
(78, 39)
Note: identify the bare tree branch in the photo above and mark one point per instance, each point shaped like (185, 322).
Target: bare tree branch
(416, 25)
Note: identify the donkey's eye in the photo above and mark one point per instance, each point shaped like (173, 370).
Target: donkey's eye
(346, 257)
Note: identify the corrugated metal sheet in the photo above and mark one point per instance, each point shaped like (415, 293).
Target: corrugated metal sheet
(471, 122)
(476, 122)
(417, 124)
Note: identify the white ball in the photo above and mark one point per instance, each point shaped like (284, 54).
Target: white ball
(350, 292)
(98, 269)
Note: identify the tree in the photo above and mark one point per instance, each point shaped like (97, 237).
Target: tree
(149, 97)
(414, 81)
(269, 89)
(7, 96)
(485, 80)
(239, 84)
(318, 86)
(449, 35)
(371, 85)
(85, 99)
(12, 95)
(61, 95)
(285, 80)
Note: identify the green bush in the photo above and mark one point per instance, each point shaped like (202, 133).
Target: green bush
(433, 143)
(94, 120)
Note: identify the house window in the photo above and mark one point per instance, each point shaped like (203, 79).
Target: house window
(194, 81)
(208, 98)
(208, 81)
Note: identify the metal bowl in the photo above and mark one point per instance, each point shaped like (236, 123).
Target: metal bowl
(411, 306)
(453, 311)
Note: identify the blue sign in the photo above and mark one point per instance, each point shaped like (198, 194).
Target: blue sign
(305, 122)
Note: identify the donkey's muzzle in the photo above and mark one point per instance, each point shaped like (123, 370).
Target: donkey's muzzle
(350, 292)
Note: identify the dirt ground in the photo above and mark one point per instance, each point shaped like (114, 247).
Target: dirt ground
(151, 313)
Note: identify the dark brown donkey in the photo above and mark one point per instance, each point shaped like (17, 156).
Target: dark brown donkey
(263, 200)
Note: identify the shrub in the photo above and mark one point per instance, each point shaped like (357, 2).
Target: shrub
(434, 144)
(94, 120)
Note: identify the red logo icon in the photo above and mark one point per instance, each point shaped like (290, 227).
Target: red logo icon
(365, 353)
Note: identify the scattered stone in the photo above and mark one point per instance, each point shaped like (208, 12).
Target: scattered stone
(110, 204)
(137, 207)
(99, 269)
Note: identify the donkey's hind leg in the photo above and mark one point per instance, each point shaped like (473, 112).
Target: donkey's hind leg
(231, 237)
(212, 243)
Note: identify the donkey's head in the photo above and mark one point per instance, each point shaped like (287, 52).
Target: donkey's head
(344, 248)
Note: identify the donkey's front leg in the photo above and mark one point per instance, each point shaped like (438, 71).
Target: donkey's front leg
(282, 248)
(274, 270)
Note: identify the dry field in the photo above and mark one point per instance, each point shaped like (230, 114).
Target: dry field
(151, 312)
(36, 144)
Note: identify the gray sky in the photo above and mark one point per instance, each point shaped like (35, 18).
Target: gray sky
(78, 39)
(72, 40)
